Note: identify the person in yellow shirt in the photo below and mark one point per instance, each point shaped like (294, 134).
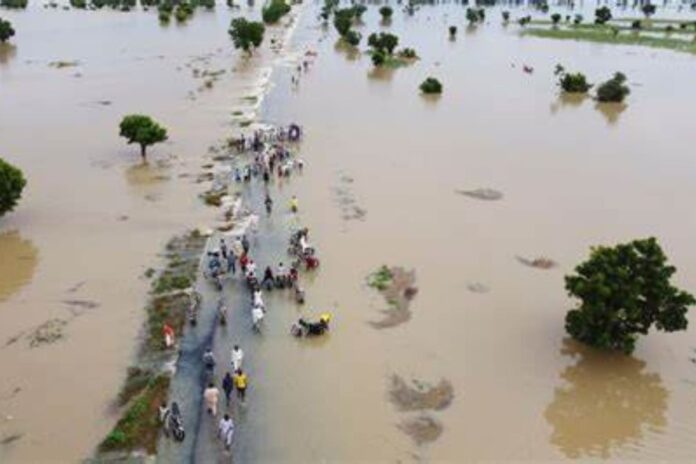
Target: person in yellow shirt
(240, 383)
(294, 204)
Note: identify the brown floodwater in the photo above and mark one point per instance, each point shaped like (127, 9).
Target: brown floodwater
(572, 173)
(93, 216)
(383, 169)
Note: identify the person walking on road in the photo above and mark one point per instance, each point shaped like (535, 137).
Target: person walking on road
(211, 395)
(240, 383)
(237, 358)
(226, 431)
(227, 387)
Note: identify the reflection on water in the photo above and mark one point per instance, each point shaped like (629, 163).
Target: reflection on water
(568, 100)
(608, 402)
(7, 52)
(611, 111)
(147, 173)
(18, 258)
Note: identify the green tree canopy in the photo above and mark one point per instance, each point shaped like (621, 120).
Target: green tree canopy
(246, 34)
(614, 90)
(623, 291)
(431, 86)
(272, 12)
(143, 130)
(12, 183)
(602, 15)
(6, 30)
(386, 12)
(383, 41)
(648, 9)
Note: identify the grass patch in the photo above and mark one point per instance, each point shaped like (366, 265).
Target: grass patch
(138, 429)
(169, 282)
(380, 279)
(136, 381)
(607, 36)
(646, 26)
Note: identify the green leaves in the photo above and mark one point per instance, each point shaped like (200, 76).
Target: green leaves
(141, 129)
(6, 30)
(12, 183)
(246, 34)
(624, 290)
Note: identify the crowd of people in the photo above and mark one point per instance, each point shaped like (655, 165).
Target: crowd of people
(231, 257)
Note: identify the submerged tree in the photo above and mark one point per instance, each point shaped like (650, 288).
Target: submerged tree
(556, 18)
(272, 12)
(383, 41)
(143, 130)
(431, 86)
(648, 9)
(571, 82)
(6, 30)
(506, 16)
(16, 4)
(614, 90)
(352, 38)
(624, 290)
(12, 183)
(602, 15)
(453, 32)
(246, 34)
(386, 12)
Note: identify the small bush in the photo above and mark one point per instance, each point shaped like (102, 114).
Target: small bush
(614, 90)
(431, 86)
(574, 83)
(386, 12)
(352, 38)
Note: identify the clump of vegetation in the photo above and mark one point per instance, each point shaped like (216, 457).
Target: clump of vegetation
(352, 38)
(380, 279)
(78, 4)
(12, 182)
(602, 15)
(431, 86)
(556, 18)
(273, 11)
(524, 20)
(136, 381)
(386, 13)
(143, 130)
(614, 90)
(636, 25)
(170, 282)
(14, 4)
(384, 42)
(6, 30)
(139, 427)
(475, 15)
(246, 34)
(624, 290)
(453, 32)
(183, 12)
(648, 9)
(506, 17)
(214, 197)
(407, 54)
(577, 19)
(571, 82)
(328, 9)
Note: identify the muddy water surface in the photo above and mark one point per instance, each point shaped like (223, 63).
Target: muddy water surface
(93, 216)
(571, 175)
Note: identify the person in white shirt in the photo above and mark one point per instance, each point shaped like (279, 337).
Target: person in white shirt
(211, 395)
(256, 317)
(258, 299)
(226, 430)
(237, 358)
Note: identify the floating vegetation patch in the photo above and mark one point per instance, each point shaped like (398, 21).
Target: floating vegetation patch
(398, 288)
(482, 194)
(420, 396)
(421, 429)
(537, 263)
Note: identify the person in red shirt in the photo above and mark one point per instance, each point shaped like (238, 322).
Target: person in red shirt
(168, 332)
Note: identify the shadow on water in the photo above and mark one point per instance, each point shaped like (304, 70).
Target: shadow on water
(607, 401)
(18, 259)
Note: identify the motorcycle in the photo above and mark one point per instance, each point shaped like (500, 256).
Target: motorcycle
(174, 423)
(302, 328)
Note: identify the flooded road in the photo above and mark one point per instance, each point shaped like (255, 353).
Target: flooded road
(93, 217)
(383, 169)
(572, 176)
